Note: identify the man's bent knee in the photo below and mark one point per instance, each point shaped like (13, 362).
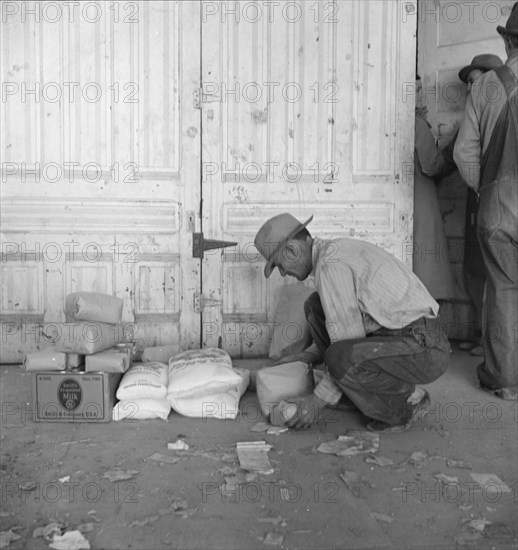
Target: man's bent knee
(338, 359)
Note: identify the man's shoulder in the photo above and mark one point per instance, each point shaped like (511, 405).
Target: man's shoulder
(486, 89)
(346, 247)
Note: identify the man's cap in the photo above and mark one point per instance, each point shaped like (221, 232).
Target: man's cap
(273, 234)
(484, 62)
(511, 27)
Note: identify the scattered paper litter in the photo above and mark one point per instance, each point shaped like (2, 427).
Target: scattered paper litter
(479, 524)
(119, 475)
(273, 539)
(417, 459)
(268, 428)
(64, 479)
(382, 517)
(178, 445)
(490, 483)
(260, 427)
(74, 442)
(351, 444)
(275, 521)
(447, 480)
(253, 456)
(6, 537)
(378, 460)
(454, 463)
(277, 430)
(71, 540)
(164, 458)
(49, 531)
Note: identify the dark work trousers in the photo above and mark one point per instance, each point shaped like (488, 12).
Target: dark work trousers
(498, 236)
(379, 373)
(474, 270)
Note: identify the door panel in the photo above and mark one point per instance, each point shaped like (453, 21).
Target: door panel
(100, 168)
(301, 112)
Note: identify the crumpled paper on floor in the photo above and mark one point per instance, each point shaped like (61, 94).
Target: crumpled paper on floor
(253, 456)
(354, 443)
(71, 540)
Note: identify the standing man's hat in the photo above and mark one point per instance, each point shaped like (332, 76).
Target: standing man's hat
(511, 27)
(273, 234)
(483, 62)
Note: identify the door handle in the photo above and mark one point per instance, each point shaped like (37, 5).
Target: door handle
(200, 245)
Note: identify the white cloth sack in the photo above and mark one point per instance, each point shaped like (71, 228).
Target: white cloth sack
(93, 306)
(198, 373)
(144, 381)
(141, 409)
(224, 406)
(275, 384)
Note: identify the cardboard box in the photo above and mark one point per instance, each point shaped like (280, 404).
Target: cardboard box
(74, 397)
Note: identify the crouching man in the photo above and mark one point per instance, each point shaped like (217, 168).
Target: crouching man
(371, 320)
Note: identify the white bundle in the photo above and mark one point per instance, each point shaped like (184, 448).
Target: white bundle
(144, 381)
(141, 409)
(222, 405)
(200, 373)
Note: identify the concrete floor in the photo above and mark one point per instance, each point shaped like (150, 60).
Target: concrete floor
(304, 504)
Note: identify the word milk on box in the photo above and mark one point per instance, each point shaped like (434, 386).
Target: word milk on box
(74, 397)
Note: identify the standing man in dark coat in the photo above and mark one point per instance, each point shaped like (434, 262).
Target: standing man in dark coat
(486, 153)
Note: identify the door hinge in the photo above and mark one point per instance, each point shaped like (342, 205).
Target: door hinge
(201, 302)
(200, 245)
(198, 97)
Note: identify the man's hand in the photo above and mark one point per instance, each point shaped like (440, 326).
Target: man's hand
(309, 409)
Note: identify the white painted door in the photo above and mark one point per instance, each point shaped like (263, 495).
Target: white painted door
(100, 156)
(450, 35)
(303, 110)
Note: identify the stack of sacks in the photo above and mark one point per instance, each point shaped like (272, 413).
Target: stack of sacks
(92, 326)
(204, 384)
(276, 384)
(142, 393)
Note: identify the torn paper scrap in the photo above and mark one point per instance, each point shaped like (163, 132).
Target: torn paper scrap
(378, 460)
(117, 474)
(71, 540)
(454, 463)
(178, 445)
(253, 456)
(382, 517)
(447, 480)
(354, 443)
(164, 458)
(490, 483)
